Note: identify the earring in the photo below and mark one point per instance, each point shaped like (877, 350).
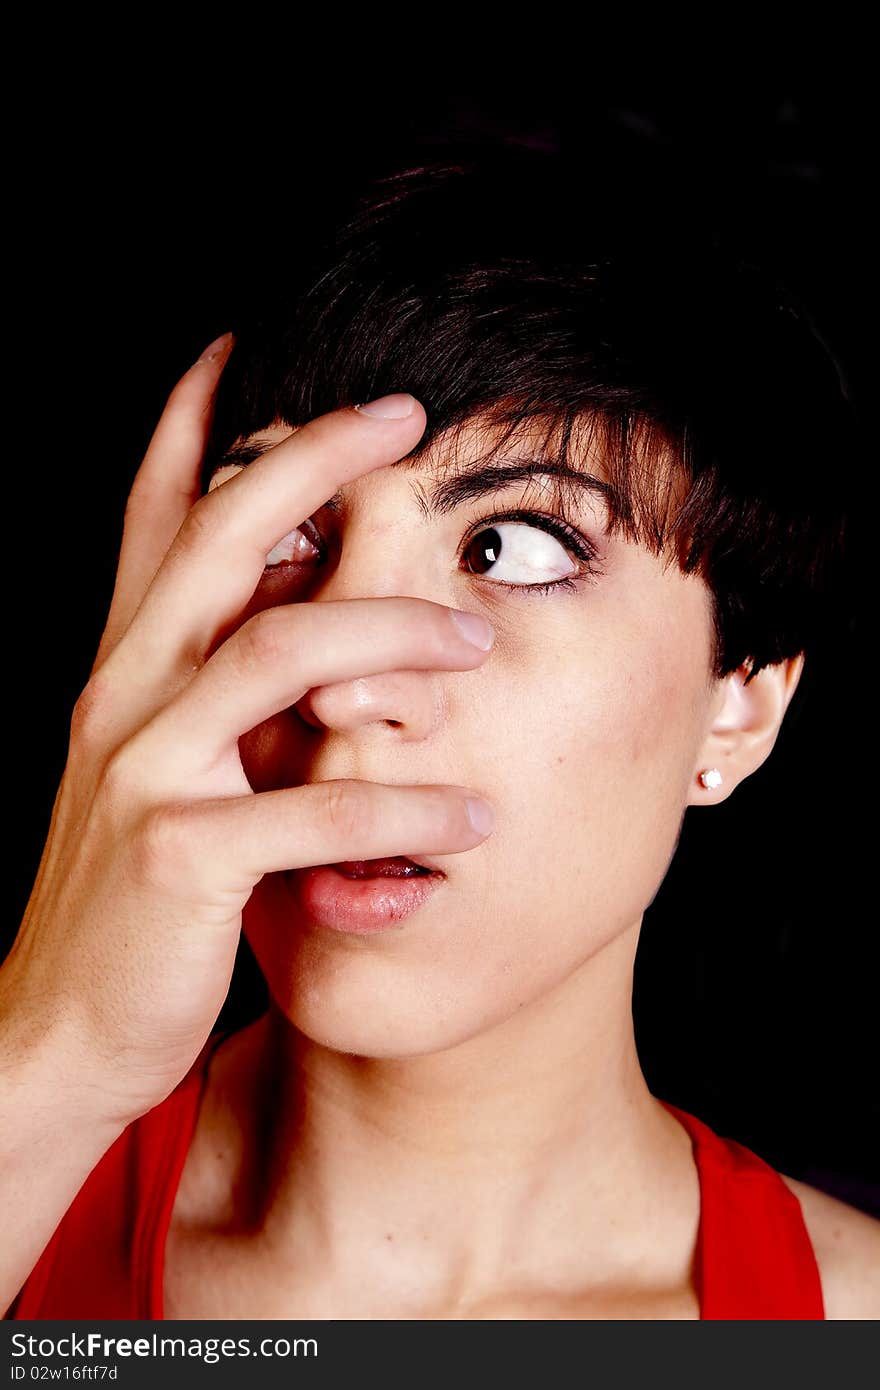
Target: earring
(711, 778)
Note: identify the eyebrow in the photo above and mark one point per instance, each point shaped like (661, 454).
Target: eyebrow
(460, 484)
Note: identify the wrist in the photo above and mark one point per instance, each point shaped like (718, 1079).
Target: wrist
(48, 1084)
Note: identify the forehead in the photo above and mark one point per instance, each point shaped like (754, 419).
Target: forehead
(474, 458)
(622, 474)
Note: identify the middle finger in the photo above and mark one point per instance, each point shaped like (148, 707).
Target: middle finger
(270, 663)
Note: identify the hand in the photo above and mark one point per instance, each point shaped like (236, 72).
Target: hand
(157, 840)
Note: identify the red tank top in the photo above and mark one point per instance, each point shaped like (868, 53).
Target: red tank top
(754, 1258)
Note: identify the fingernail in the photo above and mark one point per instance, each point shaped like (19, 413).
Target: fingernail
(214, 349)
(474, 629)
(394, 407)
(481, 815)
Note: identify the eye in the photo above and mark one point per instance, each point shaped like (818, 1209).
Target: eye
(527, 551)
(298, 547)
(523, 550)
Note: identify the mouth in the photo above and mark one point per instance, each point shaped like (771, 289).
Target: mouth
(399, 866)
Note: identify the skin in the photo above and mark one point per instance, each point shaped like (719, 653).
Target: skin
(391, 1160)
(449, 1118)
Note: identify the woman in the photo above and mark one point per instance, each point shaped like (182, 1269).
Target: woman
(607, 450)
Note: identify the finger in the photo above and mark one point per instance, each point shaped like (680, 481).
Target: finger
(230, 842)
(272, 660)
(165, 487)
(218, 557)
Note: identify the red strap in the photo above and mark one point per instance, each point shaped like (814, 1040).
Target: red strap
(754, 1260)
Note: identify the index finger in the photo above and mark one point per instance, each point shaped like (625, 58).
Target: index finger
(219, 554)
(165, 487)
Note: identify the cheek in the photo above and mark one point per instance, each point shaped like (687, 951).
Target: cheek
(599, 767)
(595, 767)
(649, 721)
(272, 754)
(262, 751)
(640, 692)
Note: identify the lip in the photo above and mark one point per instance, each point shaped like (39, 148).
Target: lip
(359, 905)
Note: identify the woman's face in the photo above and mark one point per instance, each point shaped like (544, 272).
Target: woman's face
(582, 726)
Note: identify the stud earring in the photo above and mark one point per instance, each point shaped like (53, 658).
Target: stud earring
(711, 778)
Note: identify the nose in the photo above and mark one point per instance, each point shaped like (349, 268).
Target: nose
(379, 559)
(402, 704)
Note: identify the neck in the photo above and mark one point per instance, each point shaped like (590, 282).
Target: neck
(533, 1145)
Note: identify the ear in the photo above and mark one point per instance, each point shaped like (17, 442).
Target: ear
(745, 720)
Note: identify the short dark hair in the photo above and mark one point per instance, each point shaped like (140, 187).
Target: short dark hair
(492, 286)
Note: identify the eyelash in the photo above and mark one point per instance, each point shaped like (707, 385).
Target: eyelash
(553, 525)
(561, 531)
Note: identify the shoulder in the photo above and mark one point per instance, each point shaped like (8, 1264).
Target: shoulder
(846, 1243)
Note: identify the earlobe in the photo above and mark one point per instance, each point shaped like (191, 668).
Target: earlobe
(744, 723)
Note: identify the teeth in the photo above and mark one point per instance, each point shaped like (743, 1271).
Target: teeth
(379, 868)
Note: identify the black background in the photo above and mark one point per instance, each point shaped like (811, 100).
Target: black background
(134, 204)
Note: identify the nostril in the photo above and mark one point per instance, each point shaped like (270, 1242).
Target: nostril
(394, 723)
(306, 715)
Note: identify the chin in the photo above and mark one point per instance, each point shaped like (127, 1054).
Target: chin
(355, 1000)
(341, 1022)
